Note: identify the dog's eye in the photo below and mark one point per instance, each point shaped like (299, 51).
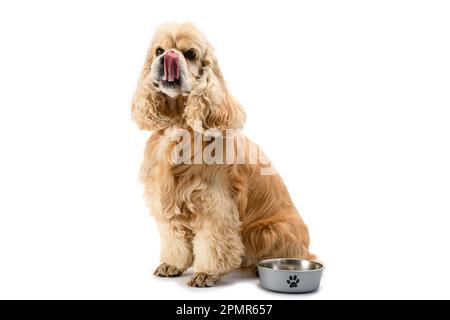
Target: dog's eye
(190, 54)
(159, 51)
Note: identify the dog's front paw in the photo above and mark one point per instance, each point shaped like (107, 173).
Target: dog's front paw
(166, 270)
(203, 280)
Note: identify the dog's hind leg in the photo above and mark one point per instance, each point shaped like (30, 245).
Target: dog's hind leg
(276, 239)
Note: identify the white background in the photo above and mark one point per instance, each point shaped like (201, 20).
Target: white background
(349, 99)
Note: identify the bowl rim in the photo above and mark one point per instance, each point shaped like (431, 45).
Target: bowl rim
(291, 271)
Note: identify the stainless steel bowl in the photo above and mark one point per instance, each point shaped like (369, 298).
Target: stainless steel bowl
(290, 275)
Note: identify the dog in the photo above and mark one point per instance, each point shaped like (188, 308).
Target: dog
(216, 216)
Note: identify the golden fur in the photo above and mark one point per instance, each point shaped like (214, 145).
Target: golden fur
(214, 217)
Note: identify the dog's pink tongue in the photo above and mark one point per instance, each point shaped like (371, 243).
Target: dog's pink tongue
(171, 66)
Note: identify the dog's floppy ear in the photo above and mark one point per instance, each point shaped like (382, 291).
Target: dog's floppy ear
(209, 104)
(148, 105)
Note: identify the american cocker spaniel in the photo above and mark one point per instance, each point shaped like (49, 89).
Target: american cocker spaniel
(218, 202)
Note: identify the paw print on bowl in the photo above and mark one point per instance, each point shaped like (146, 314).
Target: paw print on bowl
(293, 281)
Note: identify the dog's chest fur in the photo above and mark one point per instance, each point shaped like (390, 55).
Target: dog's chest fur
(183, 192)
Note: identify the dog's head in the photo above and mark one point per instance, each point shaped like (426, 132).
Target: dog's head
(181, 83)
(177, 56)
